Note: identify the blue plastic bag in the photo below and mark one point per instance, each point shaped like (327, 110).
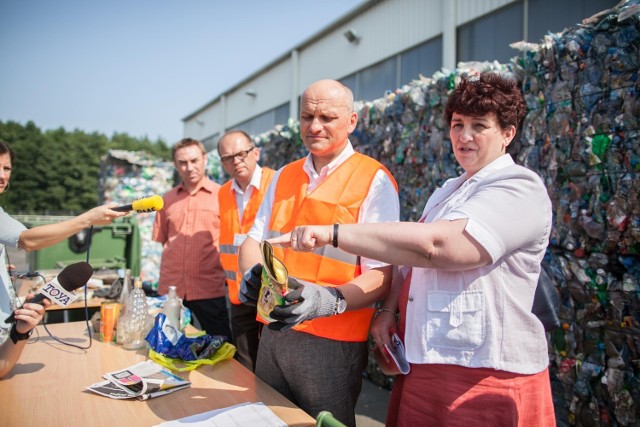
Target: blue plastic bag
(170, 342)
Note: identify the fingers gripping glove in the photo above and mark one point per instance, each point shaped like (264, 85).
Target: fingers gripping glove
(250, 286)
(307, 301)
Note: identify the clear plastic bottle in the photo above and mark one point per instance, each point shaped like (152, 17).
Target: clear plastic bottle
(137, 317)
(171, 308)
(126, 287)
(121, 330)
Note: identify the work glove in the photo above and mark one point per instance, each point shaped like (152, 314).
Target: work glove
(304, 302)
(250, 286)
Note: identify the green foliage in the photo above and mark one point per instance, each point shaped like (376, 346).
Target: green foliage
(57, 171)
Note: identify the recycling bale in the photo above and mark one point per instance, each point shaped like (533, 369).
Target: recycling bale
(129, 175)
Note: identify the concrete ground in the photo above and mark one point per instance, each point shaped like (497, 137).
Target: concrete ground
(371, 410)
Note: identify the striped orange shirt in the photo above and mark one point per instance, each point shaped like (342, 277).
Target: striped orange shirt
(189, 229)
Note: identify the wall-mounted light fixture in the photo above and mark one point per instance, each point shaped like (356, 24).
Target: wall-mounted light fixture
(252, 93)
(200, 121)
(352, 36)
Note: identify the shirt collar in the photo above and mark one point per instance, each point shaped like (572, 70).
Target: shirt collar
(347, 151)
(206, 184)
(256, 178)
(501, 162)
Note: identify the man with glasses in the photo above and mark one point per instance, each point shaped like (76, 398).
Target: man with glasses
(189, 229)
(240, 198)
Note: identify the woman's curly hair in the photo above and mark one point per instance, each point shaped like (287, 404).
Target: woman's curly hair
(487, 93)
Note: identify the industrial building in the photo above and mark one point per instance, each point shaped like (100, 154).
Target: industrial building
(379, 46)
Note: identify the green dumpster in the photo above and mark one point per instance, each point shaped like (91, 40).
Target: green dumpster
(112, 246)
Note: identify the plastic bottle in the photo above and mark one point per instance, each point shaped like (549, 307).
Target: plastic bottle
(137, 324)
(126, 287)
(171, 308)
(121, 331)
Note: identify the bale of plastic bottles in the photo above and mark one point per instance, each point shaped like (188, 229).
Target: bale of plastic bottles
(126, 176)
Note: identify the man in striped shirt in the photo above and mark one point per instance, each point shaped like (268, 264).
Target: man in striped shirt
(189, 229)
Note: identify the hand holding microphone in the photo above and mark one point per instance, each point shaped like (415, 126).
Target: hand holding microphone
(60, 289)
(145, 204)
(105, 214)
(27, 318)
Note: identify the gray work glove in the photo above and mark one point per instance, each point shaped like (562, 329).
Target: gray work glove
(250, 286)
(306, 301)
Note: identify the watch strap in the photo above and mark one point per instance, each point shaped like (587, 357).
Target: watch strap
(341, 302)
(17, 336)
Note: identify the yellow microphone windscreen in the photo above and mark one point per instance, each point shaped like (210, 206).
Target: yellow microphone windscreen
(148, 204)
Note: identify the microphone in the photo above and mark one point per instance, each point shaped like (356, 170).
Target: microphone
(59, 290)
(144, 204)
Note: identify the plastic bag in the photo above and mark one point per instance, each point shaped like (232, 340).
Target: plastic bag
(174, 350)
(546, 302)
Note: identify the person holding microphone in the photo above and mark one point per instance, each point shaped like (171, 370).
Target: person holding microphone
(13, 336)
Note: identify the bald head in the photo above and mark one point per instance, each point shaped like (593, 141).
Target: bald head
(330, 90)
(326, 120)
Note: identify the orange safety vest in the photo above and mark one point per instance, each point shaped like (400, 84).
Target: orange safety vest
(230, 226)
(335, 200)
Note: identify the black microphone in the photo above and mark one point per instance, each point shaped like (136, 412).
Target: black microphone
(145, 204)
(58, 290)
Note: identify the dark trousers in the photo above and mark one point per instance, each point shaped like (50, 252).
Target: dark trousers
(317, 374)
(246, 331)
(212, 315)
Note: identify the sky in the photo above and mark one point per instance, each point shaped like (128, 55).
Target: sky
(140, 66)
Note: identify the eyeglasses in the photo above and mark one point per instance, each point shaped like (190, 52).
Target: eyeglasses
(240, 155)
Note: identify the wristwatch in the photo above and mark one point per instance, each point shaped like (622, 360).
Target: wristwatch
(341, 303)
(17, 336)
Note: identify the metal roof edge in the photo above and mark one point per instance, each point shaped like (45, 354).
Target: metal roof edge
(367, 4)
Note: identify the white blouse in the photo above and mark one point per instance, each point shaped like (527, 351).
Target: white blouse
(482, 317)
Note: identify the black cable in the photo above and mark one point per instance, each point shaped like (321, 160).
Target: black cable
(86, 307)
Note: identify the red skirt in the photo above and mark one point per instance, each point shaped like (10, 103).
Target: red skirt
(452, 395)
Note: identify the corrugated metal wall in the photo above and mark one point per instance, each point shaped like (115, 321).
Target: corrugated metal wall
(468, 10)
(385, 28)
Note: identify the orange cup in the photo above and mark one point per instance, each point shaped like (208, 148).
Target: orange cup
(109, 312)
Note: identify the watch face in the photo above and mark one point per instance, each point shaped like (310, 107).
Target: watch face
(342, 306)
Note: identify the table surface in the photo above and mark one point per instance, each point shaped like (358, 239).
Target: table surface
(49, 385)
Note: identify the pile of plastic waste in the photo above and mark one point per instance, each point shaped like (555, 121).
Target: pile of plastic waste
(126, 176)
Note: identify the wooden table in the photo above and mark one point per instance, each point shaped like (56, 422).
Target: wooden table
(47, 387)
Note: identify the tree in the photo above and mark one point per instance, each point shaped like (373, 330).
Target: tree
(57, 171)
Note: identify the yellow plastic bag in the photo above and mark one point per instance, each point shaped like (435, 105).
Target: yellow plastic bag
(226, 351)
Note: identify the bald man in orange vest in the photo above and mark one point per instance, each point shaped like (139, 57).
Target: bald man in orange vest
(316, 351)
(239, 199)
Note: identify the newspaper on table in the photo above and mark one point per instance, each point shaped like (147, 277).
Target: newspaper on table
(144, 380)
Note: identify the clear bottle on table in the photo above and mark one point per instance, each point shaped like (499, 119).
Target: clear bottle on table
(137, 323)
(121, 330)
(126, 287)
(172, 307)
